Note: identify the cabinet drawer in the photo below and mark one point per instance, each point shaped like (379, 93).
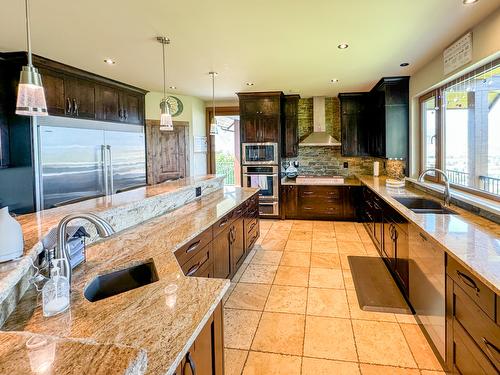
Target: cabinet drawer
(474, 288)
(222, 223)
(483, 331)
(320, 210)
(320, 192)
(468, 359)
(199, 262)
(191, 248)
(251, 237)
(251, 224)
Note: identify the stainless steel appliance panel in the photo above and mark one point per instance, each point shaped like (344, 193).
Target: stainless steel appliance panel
(268, 208)
(259, 153)
(262, 177)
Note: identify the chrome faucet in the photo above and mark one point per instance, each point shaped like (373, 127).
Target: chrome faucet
(447, 195)
(104, 230)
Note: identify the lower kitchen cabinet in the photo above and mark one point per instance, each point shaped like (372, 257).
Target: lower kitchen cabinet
(318, 202)
(222, 253)
(206, 355)
(237, 244)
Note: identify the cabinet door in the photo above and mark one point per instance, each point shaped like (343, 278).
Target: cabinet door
(248, 128)
(402, 253)
(221, 248)
(53, 84)
(290, 201)
(81, 94)
(132, 107)
(237, 245)
(268, 128)
(290, 126)
(349, 134)
(108, 103)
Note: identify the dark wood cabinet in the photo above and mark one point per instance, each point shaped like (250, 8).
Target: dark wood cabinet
(395, 246)
(53, 84)
(290, 142)
(260, 116)
(222, 253)
(131, 107)
(237, 244)
(289, 201)
(355, 128)
(107, 103)
(80, 97)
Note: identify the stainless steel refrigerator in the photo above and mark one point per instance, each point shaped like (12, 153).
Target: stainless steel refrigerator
(81, 159)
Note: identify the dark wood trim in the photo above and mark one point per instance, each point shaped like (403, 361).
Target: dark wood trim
(229, 111)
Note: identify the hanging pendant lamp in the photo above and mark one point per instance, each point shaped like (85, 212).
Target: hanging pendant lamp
(30, 93)
(213, 124)
(166, 123)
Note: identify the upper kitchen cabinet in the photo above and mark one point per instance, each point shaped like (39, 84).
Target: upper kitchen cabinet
(80, 97)
(290, 126)
(119, 105)
(354, 124)
(260, 116)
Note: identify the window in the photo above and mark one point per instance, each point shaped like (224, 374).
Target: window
(461, 130)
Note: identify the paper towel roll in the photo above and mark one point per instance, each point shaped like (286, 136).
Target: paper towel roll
(376, 167)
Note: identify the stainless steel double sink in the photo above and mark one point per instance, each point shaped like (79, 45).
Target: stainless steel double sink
(424, 206)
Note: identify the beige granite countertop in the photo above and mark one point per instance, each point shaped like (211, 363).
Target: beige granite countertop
(348, 181)
(162, 318)
(25, 354)
(470, 239)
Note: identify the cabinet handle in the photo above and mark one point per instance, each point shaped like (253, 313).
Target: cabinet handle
(307, 208)
(68, 106)
(223, 222)
(468, 281)
(490, 348)
(252, 226)
(190, 362)
(120, 114)
(423, 237)
(193, 269)
(75, 107)
(193, 246)
(125, 114)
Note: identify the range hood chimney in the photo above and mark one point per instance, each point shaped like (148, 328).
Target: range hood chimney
(319, 137)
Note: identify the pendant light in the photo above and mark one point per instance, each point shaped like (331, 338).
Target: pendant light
(213, 123)
(30, 93)
(166, 123)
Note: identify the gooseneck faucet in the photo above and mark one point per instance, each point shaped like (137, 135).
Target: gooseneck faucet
(104, 229)
(446, 183)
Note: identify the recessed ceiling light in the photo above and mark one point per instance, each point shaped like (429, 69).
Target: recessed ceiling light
(404, 64)
(467, 2)
(109, 61)
(250, 83)
(173, 87)
(335, 80)
(343, 46)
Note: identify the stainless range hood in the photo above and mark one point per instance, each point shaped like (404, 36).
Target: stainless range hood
(319, 137)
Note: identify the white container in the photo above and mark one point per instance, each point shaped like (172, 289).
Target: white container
(55, 292)
(376, 168)
(11, 237)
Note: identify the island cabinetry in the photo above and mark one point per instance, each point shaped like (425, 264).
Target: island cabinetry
(206, 355)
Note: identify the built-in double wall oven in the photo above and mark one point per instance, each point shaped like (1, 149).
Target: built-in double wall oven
(260, 170)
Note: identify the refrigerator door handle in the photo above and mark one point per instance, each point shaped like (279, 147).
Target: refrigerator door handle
(110, 163)
(105, 169)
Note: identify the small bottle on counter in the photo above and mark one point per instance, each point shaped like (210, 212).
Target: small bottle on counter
(376, 169)
(55, 293)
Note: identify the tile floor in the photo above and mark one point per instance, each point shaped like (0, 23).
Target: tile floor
(292, 309)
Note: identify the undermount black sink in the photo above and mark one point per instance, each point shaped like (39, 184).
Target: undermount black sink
(424, 206)
(121, 281)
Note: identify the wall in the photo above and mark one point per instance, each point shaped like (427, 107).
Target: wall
(485, 47)
(327, 160)
(194, 113)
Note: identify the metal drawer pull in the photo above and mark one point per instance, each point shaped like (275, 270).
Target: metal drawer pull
(489, 349)
(196, 267)
(423, 237)
(68, 106)
(223, 222)
(252, 226)
(193, 246)
(468, 281)
(190, 362)
(308, 192)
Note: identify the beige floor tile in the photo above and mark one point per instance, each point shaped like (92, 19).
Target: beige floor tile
(326, 278)
(358, 313)
(329, 338)
(303, 225)
(302, 246)
(239, 273)
(325, 260)
(351, 247)
(367, 369)
(266, 224)
(271, 364)
(277, 244)
(323, 235)
(287, 299)
(324, 246)
(228, 292)
(282, 225)
(363, 234)
(347, 236)
(323, 225)
(300, 235)
(269, 257)
(292, 276)
(348, 281)
(431, 372)
(406, 318)
(248, 297)
(370, 248)
(344, 226)
(420, 348)
(277, 234)
(234, 360)
(315, 366)
(295, 259)
(344, 261)
(382, 343)
(239, 328)
(280, 333)
(250, 255)
(259, 274)
(327, 302)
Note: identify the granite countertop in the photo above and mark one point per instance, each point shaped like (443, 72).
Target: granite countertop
(162, 318)
(348, 181)
(25, 354)
(470, 239)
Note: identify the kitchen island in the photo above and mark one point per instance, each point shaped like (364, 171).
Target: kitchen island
(163, 318)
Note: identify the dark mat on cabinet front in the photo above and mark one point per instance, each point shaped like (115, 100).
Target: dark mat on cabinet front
(376, 289)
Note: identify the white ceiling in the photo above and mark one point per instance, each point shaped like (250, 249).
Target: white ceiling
(288, 45)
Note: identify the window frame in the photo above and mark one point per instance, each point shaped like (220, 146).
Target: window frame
(440, 131)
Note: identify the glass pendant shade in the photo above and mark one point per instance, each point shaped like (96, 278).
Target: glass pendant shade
(213, 127)
(166, 123)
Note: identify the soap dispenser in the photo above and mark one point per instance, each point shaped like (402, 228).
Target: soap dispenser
(55, 293)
